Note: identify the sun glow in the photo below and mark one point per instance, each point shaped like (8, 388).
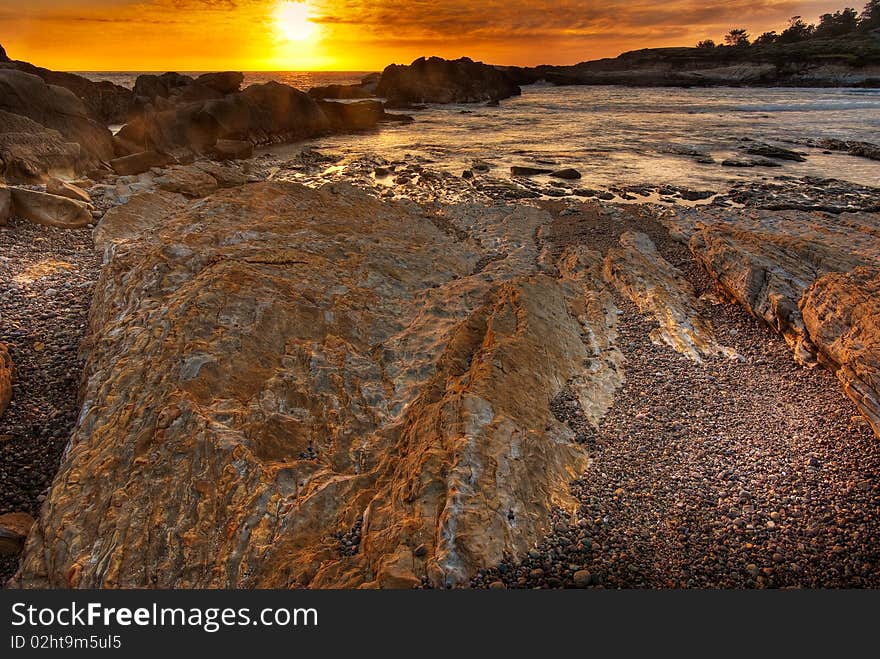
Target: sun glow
(293, 21)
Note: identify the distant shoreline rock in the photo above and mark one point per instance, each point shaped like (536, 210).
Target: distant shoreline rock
(436, 80)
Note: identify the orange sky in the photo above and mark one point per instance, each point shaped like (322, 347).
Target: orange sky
(197, 35)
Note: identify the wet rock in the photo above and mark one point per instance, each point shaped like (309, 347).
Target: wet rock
(570, 174)
(50, 210)
(855, 148)
(777, 152)
(233, 149)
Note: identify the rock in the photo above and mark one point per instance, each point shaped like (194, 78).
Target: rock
(50, 210)
(30, 152)
(855, 148)
(841, 314)
(143, 212)
(749, 162)
(233, 149)
(280, 110)
(227, 174)
(56, 108)
(63, 189)
(151, 86)
(582, 578)
(570, 174)
(5, 378)
(340, 92)
(437, 80)
(227, 82)
(655, 286)
(769, 151)
(14, 528)
(189, 180)
(467, 174)
(3, 56)
(497, 585)
(522, 170)
(273, 321)
(359, 115)
(138, 163)
(5, 205)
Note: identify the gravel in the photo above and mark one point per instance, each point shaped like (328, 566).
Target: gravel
(47, 277)
(735, 474)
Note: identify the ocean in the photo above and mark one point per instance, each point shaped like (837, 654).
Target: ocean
(620, 135)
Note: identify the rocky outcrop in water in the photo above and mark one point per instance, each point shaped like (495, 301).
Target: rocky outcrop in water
(436, 80)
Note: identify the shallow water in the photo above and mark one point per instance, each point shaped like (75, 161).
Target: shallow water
(620, 135)
(633, 136)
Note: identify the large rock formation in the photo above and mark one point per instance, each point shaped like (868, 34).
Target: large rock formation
(55, 108)
(296, 387)
(437, 80)
(106, 102)
(809, 276)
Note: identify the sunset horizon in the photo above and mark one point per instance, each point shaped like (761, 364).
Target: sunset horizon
(329, 35)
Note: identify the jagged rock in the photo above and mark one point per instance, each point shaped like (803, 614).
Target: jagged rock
(64, 189)
(436, 80)
(655, 286)
(841, 313)
(276, 365)
(5, 205)
(138, 163)
(341, 92)
(151, 86)
(5, 378)
(30, 152)
(50, 210)
(189, 180)
(3, 56)
(56, 108)
(142, 213)
(14, 528)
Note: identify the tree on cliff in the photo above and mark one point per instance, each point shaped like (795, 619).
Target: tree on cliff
(870, 18)
(737, 37)
(767, 38)
(837, 24)
(796, 31)
(706, 43)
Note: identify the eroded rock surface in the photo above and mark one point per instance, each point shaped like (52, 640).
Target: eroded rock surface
(5, 378)
(656, 286)
(273, 367)
(841, 312)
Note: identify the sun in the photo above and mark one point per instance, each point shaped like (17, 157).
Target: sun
(293, 21)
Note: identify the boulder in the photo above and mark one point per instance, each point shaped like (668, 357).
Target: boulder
(50, 210)
(281, 111)
(841, 312)
(5, 205)
(56, 108)
(569, 174)
(151, 86)
(14, 528)
(359, 115)
(275, 365)
(138, 163)
(30, 152)
(64, 189)
(189, 180)
(233, 149)
(226, 82)
(5, 378)
(437, 80)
